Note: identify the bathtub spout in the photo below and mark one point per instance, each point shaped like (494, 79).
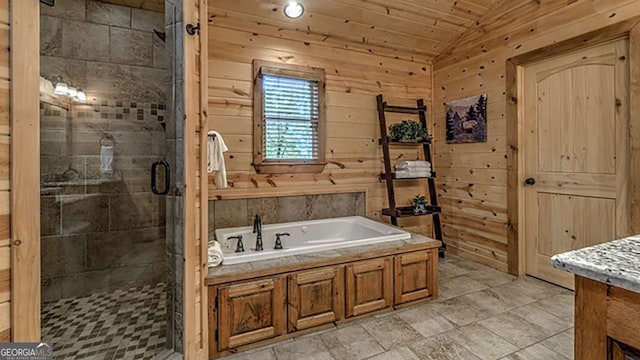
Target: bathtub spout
(257, 229)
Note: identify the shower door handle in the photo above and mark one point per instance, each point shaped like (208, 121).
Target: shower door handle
(167, 177)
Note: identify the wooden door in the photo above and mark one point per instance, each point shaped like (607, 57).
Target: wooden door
(315, 298)
(576, 115)
(368, 286)
(414, 276)
(250, 312)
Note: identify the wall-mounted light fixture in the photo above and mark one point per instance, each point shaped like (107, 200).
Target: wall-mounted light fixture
(293, 9)
(74, 93)
(61, 88)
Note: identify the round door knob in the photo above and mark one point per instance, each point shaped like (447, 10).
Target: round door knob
(530, 181)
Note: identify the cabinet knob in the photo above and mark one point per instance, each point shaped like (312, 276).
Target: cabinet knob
(530, 181)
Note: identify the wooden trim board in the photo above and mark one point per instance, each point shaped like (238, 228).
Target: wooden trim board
(202, 193)
(25, 171)
(634, 129)
(514, 80)
(195, 206)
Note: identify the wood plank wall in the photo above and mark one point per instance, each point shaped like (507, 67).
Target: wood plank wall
(5, 140)
(355, 74)
(473, 177)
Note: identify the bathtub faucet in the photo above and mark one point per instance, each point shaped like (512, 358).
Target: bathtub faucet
(257, 229)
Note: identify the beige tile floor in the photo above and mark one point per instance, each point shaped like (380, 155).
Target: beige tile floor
(481, 314)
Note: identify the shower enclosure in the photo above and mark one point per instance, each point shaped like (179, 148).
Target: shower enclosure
(108, 273)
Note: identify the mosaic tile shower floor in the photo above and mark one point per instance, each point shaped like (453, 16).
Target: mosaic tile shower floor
(124, 324)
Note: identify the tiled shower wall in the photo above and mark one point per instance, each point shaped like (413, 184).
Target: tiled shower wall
(102, 232)
(272, 210)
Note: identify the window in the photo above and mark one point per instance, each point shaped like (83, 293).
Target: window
(288, 118)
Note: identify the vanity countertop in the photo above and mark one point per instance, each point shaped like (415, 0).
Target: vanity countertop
(615, 263)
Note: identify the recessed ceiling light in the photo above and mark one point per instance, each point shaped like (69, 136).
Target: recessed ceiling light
(293, 9)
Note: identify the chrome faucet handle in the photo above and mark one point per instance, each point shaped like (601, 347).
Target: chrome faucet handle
(279, 241)
(239, 244)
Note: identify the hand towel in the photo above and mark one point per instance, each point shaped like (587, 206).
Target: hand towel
(215, 254)
(426, 168)
(215, 158)
(106, 159)
(412, 174)
(418, 164)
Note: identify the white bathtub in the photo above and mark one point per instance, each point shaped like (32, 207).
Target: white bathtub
(306, 237)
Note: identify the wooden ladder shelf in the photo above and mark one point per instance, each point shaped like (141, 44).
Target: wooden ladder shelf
(394, 211)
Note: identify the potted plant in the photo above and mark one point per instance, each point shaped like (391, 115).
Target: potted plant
(420, 205)
(408, 131)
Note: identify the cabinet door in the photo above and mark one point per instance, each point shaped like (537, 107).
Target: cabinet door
(618, 351)
(315, 298)
(414, 276)
(368, 286)
(251, 312)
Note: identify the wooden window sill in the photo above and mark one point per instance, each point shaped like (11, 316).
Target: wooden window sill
(289, 168)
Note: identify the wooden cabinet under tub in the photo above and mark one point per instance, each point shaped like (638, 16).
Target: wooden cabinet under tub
(251, 305)
(413, 278)
(315, 297)
(369, 286)
(251, 311)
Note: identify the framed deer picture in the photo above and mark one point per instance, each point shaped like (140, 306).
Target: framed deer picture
(467, 120)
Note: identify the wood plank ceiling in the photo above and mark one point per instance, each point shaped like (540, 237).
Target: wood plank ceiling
(421, 28)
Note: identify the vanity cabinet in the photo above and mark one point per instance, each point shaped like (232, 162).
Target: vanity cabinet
(368, 286)
(315, 297)
(607, 321)
(622, 352)
(413, 278)
(250, 312)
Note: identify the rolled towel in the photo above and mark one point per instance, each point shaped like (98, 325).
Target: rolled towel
(215, 254)
(418, 164)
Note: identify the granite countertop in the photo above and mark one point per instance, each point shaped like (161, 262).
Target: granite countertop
(615, 263)
(226, 273)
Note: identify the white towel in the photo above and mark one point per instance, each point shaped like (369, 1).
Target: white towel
(418, 164)
(215, 254)
(106, 159)
(215, 158)
(412, 174)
